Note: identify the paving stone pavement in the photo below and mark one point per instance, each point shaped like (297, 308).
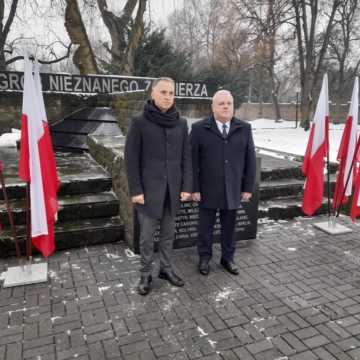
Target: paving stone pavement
(297, 297)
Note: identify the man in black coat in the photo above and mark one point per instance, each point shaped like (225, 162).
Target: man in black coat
(158, 164)
(224, 167)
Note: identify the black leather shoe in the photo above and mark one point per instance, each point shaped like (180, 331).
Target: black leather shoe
(144, 285)
(230, 266)
(172, 278)
(204, 267)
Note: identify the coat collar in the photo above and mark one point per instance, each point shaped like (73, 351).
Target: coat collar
(210, 124)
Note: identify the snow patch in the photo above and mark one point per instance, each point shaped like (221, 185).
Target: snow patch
(223, 295)
(103, 288)
(10, 139)
(284, 137)
(55, 317)
(201, 331)
(130, 254)
(212, 343)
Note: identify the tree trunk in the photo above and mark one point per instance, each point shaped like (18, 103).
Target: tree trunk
(136, 34)
(125, 34)
(306, 107)
(276, 106)
(2, 55)
(5, 28)
(84, 58)
(310, 61)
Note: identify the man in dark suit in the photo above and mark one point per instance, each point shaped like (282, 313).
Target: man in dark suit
(224, 167)
(158, 164)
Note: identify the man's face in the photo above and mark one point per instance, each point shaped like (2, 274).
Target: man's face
(163, 95)
(223, 107)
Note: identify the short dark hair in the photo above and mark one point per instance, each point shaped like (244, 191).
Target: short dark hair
(156, 81)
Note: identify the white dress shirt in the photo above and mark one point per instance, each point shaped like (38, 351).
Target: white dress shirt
(220, 126)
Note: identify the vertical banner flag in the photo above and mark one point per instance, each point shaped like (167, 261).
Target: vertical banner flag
(347, 151)
(355, 206)
(37, 162)
(317, 149)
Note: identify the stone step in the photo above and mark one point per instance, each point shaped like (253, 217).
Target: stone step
(78, 174)
(270, 189)
(274, 168)
(69, 186)
(79, 206)
(285, 208)
(78, 233)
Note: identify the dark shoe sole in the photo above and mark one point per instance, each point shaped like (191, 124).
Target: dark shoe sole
(143, 292)
(164, 277)
(202, 272)
(230, 271)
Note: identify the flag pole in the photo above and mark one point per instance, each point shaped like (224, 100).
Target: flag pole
(328, 168)
(28, 224)
(348, 178)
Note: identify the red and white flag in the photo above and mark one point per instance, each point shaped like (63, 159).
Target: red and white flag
(317, 149)
(355, 206)
(347, 151)
(37, 162)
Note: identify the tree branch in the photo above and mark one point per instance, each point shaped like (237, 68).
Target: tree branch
(16, 58)
(10, 19)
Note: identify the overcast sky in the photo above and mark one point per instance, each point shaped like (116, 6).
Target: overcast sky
(160, 9)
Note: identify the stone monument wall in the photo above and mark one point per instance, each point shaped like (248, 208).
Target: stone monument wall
(59, 105)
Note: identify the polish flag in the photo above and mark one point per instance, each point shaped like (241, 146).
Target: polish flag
(317, 149)
(347, 151)
(37, 162)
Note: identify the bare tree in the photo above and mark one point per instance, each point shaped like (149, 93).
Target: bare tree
(342, 43)
(83, 58)
(312, 46)
(264, 20)
(125, 33)
(5, 26)
(198, 29)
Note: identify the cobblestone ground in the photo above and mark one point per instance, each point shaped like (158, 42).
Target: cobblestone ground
(297, 297)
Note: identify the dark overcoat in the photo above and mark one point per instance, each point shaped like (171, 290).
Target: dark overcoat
(158, 157)
(222, 168)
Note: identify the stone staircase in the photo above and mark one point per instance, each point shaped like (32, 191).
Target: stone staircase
(88, 211)
(281, 189)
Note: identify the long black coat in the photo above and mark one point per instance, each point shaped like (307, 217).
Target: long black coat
(157, 157)
(222, 168)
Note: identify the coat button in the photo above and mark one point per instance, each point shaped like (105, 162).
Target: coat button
(225, 141)
(226, 161)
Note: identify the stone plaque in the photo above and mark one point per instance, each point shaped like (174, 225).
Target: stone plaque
(186, 228)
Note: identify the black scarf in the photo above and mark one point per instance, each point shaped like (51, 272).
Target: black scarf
(167, 119)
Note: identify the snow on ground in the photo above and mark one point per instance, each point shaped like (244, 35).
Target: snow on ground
(282, 136)
(9, 139)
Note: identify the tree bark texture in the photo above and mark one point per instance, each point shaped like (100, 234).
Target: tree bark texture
(84, 58)
(5, 28)
(125, 34)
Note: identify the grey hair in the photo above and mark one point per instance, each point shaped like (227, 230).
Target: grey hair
(156, 81)
(222, 92)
